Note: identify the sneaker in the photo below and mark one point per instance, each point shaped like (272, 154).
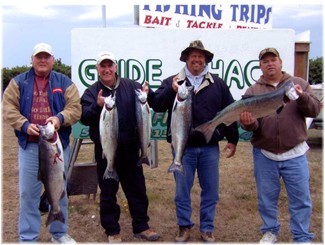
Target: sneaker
(115, 238)
(63, 239)
(207, 236)
(268, 237)
(149, 235)
(183, 234)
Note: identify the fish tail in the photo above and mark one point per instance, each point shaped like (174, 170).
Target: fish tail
(176, 166)
(206, 130)
(143, 160)
(52, 217)
(110, 175)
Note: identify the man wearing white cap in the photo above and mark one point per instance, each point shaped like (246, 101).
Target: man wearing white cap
(130, 175)
(38, 97)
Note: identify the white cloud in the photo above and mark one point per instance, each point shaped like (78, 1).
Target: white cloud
(92, 13)
(296, 11)
(28, 9)
(68, 12)
(116, 10)
(27, 23)
(112, 11)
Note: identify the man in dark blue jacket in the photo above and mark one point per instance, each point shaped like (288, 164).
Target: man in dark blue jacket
(210, 96)
(127, 154)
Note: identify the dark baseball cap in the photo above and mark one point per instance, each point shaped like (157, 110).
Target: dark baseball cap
(268, 50)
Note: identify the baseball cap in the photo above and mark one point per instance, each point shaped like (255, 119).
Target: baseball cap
(105, 56)
(268, 50)
(42, 47)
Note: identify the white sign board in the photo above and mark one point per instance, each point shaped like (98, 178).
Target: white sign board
(152, 54)
(206, 16)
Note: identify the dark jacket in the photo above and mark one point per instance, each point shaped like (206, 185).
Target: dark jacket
(212, 96)
(125, 103)
(63, 97)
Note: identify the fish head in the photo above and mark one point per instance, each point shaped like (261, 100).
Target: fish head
(47, 131)
(141, 95)
(290, 91)
(109, 102)
(41, 131)
(185, 91)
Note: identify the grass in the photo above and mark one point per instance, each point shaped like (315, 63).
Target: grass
(237, 219)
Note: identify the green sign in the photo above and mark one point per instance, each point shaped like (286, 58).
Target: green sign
(80, 131)
(158, 132)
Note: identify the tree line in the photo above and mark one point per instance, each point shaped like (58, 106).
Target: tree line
(315, 71)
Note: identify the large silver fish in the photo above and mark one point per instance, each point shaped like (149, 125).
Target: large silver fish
(259, 105)
(144, 125)
(51, 170)
(108, 131)
(180, 126)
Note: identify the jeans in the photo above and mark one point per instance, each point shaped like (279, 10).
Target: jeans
(30, 188)
(295, 175)
(206, 161)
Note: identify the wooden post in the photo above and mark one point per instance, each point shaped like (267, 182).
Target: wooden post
(302, 59)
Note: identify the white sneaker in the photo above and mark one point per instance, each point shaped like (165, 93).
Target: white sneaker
(64, 239)
(268, 237)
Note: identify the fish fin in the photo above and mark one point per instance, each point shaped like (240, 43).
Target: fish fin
(59, 150)
(246, 96)
(143, 160)
(206, 130)
(39, 175)
(279, 109)
(62, 194)
(176, 167)
(174, 106)
(148, 110)
(286, 99)
(52, 217)
(110, 175)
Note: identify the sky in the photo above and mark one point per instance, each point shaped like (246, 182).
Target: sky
(23, 25)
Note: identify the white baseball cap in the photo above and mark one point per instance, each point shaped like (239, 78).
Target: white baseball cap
(42, 47)
(105, 55)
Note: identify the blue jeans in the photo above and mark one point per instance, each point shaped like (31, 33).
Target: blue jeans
(295, 175)
(206, 161)
(30, 188)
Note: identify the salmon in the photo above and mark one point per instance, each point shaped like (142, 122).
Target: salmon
(51, 170)
(108, 131)
(180, 126)
(144, 126)
(259, 105)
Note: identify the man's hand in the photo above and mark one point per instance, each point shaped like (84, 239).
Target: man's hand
(145, 87)
(230, 149)
(299, 89)
(55, 121)
(175, 84)
(33, 129)
(246, 118)
(100, 98)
